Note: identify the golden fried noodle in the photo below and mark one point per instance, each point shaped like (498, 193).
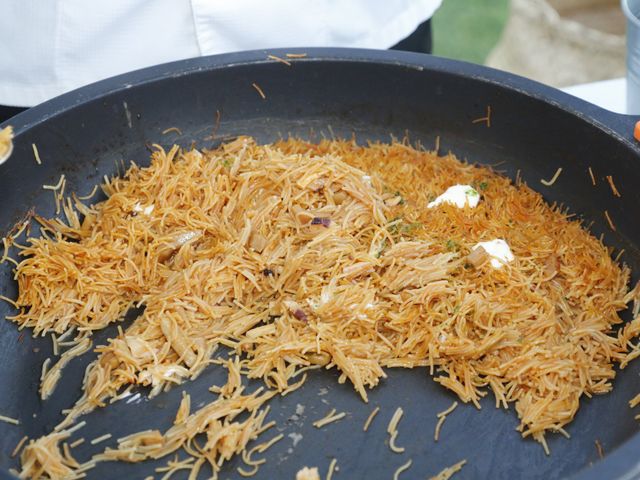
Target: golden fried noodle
(6, 143)
(299, 255)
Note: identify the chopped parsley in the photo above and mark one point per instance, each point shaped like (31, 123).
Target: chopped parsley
(383, 245)
(397, 226)
(410, 227)
(394, 226)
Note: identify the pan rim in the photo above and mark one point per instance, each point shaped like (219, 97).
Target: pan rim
(620, 126)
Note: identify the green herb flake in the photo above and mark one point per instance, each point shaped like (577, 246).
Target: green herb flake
(410, 227)
(472, 192)
(383, 245)
(483, 186)
(394, 226)
(452, 246)
(398, 194)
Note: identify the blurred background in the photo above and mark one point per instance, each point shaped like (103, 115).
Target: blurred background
(48, 48)
(558, 42)
(577, 45)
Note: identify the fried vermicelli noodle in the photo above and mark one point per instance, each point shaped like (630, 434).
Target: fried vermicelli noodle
(6, 145)
(297, 256)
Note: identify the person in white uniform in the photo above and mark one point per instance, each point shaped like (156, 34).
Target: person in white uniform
(53, 46)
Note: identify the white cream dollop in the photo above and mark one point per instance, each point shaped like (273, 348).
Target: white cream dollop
(186, 236)
(458, 195)
(140, 209)
(498, 250)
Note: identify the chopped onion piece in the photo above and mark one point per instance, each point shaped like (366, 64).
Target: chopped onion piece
(325, 222)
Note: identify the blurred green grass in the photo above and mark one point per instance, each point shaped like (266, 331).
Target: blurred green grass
(468, 29)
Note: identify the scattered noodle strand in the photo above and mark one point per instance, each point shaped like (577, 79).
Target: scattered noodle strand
(609, 221)
(614, 190)
(395, 419)
(448, 472)
(370, 418)
(259, 90)
(446, 412)
(12, 421)
(548, 183)
(486, 118)
(77, 443)
(91, 194)
(329, 418)
(100, 439)
(172, 129)
(392, 430)
(36, 155)
(278, 59)
(332, 468)
(249, 473)
(392, 443)
(57, 186)
(19, 446)
(436, 433)
(402, 468)
(599, 449)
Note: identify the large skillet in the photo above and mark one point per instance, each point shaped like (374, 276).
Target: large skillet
(372, 94)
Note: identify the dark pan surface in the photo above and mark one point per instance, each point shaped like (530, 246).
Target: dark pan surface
(534, 129)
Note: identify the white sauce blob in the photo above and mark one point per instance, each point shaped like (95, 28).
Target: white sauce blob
(146, 210)
(498, 250)
(185, 237)
(458, 195)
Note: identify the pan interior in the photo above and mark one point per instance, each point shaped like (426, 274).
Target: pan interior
(313, 100)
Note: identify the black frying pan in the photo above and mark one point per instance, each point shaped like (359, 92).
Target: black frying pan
(372, 94)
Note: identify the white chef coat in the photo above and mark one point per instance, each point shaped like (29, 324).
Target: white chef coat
(48, 47)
